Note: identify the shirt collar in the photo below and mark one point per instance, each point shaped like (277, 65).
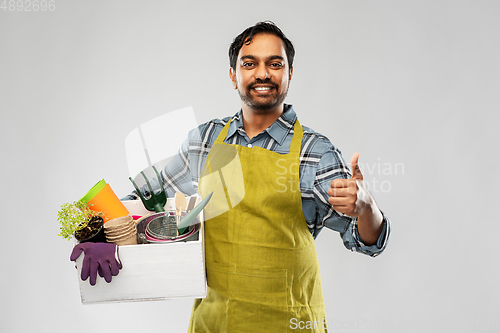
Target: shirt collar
(278, 130)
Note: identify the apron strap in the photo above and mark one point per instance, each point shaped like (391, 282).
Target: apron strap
(298, 133)
(223, 133)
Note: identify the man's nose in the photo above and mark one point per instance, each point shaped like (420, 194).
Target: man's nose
(262, 72)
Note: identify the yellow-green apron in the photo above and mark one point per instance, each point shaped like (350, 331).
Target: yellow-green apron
(262, 267)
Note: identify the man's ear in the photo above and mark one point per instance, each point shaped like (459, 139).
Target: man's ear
(232, 76)
(290, 74)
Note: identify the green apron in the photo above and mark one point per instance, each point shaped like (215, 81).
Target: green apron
(262, 267)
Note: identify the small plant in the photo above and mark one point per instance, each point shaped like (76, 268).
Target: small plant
(75, 218)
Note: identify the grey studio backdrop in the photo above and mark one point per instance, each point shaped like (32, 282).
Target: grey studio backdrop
(410, 85)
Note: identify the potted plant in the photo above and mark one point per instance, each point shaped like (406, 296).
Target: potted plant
(78, 220)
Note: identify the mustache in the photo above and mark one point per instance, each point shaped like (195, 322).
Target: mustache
(260, 81)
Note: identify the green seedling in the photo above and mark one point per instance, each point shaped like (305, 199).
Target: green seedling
(75, 217)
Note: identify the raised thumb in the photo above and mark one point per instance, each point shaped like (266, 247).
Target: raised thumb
(356, 172)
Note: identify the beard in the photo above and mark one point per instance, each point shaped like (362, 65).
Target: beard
(262, 104)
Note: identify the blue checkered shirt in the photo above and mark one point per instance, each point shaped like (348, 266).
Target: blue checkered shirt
(320, 163)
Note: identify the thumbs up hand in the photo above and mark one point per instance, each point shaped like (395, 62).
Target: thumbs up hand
(350, 196)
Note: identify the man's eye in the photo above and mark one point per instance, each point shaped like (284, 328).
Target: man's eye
(277, 65)
(247, 64)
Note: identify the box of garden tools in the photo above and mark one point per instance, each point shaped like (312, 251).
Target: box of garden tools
(153, 269)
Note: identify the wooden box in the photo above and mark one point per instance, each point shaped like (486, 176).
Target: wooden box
(152, 271)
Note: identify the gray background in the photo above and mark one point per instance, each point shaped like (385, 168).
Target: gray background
(410, 85)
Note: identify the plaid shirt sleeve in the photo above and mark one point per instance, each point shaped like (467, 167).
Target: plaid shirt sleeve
(331, 165)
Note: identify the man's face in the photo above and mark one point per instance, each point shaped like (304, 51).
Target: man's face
(262, 73)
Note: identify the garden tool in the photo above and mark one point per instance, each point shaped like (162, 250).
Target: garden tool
(164, 227)
(157, 200)
(189, 217)
(180, 205)
(191, 203)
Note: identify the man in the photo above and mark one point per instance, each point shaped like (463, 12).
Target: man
(262, 267)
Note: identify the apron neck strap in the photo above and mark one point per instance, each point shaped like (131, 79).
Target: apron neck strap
(223, 133)
(298, 133)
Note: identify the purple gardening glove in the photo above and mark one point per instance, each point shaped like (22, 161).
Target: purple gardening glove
(102, 257)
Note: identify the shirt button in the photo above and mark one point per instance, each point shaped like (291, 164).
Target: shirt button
(249, 145)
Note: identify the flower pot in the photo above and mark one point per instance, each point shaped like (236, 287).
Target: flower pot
(101, 198)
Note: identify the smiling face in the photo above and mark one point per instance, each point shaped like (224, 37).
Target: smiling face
(262, 74)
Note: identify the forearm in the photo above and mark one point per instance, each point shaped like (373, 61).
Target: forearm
(370, 225)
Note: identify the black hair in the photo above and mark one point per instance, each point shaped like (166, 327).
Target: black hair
(246, 36)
